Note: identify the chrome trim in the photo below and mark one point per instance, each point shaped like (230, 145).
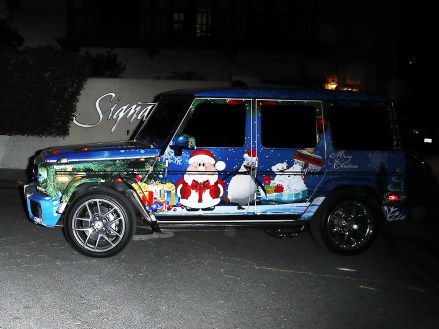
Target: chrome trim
(61, 207)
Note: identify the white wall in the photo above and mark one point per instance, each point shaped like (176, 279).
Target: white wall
(104, 120)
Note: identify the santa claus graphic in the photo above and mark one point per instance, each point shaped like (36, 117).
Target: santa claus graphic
(200, 188)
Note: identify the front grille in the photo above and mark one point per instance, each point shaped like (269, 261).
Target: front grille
(36, 209)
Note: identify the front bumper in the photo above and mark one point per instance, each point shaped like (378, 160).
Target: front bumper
(42, 209)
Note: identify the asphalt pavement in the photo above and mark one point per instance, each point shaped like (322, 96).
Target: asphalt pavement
(11, 178)
(414, 241)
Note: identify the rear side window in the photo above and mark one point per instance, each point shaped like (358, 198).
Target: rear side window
(288, 126)
(228, 119)
(364, 126)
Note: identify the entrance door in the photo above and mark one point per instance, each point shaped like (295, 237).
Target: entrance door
(290, 148)
(207, 160)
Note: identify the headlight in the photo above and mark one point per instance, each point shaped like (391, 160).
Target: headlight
(62, 178)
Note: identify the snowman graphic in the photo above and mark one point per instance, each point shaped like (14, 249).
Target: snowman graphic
(200, 188)
(288, 179)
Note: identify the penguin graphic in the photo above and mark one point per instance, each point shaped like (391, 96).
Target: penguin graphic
(243, 185)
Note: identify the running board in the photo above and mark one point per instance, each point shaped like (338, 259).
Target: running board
(229, 221)
(287, 232)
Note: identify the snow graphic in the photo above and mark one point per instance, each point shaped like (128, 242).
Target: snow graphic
(394, 213)
(170, 156)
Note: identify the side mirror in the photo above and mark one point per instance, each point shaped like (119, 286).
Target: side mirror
(182, 142)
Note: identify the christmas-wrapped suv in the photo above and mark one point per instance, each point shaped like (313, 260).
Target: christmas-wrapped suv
(279, 159)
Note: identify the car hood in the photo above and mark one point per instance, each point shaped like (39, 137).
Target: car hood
(97, 151)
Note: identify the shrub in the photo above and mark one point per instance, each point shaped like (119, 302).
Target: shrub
(9, 37)
(40, 88)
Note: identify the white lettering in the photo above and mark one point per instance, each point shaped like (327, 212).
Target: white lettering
(342, 160)
(130, 112)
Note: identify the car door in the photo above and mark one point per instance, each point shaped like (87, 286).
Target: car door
(290, 149)
(205, 160)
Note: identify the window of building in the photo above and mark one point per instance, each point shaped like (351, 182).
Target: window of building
(178, 23)
(203, 23)
(217, 125)
(288, 126)
(364, 126)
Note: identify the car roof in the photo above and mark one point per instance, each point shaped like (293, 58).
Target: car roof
(279, 93)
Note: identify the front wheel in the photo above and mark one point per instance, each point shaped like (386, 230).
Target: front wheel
(100, 223)
(346, 225)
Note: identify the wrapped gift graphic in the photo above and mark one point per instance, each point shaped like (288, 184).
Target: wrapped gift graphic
(160, 206)
(161, 194)
(149, 197)
(278, 189)
(269, 189)
(266, 180)
(170, 197)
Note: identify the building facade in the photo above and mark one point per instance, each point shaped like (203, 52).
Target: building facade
(284, 42)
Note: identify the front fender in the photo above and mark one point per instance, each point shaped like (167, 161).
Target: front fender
(77, 181)
(74, 183)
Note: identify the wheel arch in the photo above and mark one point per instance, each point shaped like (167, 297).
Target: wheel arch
(80, 185)
(358, 190)
(109, 195)
(343, 193)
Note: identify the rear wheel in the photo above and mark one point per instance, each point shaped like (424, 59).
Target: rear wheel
(100, 223)
(346, 225)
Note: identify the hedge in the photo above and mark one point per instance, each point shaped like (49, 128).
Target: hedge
(39, 90)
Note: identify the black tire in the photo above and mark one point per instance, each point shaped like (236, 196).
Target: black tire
(100, 223)
(345, 224)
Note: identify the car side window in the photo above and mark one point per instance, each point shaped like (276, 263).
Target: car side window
(217, 125)
(365, 126)
(288, 126)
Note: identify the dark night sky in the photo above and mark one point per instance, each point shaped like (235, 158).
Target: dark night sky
(417, 64)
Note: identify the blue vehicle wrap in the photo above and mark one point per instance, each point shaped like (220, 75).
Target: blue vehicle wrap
(243, 172)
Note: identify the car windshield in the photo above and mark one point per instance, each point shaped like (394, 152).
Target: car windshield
(163, 121)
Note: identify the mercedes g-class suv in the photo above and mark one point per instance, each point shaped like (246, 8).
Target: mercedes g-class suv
(250, 157)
